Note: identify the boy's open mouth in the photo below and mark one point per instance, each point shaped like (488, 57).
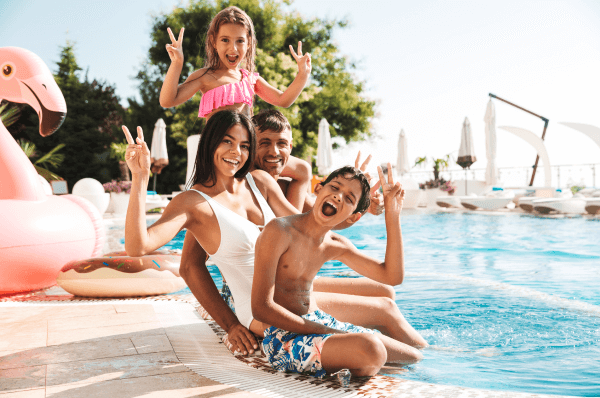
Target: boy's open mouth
(329, 209)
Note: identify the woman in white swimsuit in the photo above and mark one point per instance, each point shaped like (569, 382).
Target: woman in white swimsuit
(225, 210)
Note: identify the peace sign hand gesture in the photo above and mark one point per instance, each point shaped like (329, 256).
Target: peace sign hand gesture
(376, 206)
(175, 49)
(393, 194)
(304, 62)
(137, 155)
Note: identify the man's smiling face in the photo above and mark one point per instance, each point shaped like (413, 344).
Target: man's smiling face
(273, 150)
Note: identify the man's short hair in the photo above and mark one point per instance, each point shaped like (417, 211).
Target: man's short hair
(352, 173)
(271, 119)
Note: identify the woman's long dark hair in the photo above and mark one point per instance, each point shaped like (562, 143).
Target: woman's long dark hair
(211, 137)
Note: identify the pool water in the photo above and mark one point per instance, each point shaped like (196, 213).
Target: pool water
(507, 302)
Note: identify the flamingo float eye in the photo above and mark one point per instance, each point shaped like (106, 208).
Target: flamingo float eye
(8, 69)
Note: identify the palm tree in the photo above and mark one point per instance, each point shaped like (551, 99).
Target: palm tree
(51, 159)
(9, 112)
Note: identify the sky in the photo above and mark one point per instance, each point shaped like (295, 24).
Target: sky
(427, 64)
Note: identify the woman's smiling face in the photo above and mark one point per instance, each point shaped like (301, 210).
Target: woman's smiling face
(232, 44)
(233, 151)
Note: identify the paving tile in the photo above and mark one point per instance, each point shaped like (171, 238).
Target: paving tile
(113, 368)
(17, 328)
(23, 378)
(36, 338)
(37, 393)
(97, 321)
(175, 385)
(54, 311)
(148, 344)
(129, 308)
(108, 332)
(67, 352)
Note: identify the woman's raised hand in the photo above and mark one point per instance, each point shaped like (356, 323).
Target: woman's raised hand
(137, 155)
(393, 194)
(175, 49)
(304, 64)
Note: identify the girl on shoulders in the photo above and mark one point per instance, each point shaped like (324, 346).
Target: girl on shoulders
(230, 41)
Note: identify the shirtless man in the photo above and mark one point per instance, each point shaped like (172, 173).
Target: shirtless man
(289, 253)
(357, 300)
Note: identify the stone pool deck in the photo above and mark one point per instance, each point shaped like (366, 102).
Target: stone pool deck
(55, 345)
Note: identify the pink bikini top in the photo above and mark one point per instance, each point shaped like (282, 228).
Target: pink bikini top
(229, 94)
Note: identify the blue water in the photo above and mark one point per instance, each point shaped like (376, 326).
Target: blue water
(507, 302)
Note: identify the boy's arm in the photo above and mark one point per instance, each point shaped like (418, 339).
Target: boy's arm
(391, 271)
(195, 273)
(284, 99)
(271, 244)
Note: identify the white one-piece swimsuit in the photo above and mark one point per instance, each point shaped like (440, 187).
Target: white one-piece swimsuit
(235, 256)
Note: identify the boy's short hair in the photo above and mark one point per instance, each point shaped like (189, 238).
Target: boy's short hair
(271, 119)
(352, 173)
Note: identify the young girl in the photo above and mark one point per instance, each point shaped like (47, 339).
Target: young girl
(230, 41)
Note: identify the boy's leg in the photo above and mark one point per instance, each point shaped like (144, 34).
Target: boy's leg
(357, 286)
(363, 354)
(371, 312)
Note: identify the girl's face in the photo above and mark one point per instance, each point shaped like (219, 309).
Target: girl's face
(233, 151)
(232, 44)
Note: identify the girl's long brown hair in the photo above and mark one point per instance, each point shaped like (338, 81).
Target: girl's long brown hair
(229, 15)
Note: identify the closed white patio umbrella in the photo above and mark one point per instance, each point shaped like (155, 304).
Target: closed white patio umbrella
(466, 152)
(324, 149)
(402, 164)
(491, 171)
(158, 151)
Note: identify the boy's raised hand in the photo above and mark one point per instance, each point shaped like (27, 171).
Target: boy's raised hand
(393, 194)
(304, 62)
(175, 49)
(137, 155)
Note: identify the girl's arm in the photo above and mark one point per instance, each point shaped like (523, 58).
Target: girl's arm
(286, 98)
(172, 94)
(138, 239)
(273, 195)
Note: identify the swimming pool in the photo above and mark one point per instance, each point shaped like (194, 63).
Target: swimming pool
(507, 302)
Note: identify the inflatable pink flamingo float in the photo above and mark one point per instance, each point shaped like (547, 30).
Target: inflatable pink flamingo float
(38, 233)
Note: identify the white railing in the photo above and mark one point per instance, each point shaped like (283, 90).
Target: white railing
(562, 175)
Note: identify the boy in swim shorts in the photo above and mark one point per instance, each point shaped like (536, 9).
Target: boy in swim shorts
(290, 252)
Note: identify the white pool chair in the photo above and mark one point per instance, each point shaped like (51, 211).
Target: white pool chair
(155, 201)
(494, 200)
(567, 203)
(448, 201)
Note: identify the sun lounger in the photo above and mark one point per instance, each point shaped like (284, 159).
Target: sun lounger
(448, 201)
(154, 201)
(567, 204)
(494, 200)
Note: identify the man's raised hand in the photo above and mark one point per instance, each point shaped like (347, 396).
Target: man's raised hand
(137, 154)
(175, 49)
(393, 194)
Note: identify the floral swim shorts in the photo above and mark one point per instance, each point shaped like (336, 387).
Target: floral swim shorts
(301, 353)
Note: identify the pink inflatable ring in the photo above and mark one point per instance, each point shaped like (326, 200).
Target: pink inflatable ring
(117, 275)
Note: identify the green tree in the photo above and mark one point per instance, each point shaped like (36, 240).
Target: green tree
(93, 121)
(333, 92)
(52, 159)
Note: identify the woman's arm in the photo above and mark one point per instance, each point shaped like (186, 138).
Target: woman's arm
(195, 273)
(138, 239)
(171, 94)
(286, 98)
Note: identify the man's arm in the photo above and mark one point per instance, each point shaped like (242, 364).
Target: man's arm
(195, 273)
(271, 244)
(297, 189)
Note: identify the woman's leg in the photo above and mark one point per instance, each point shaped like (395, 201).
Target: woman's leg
(380, 313)
(356, 286)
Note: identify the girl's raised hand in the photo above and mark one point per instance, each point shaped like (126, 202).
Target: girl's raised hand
(137, 155)
(304, 65)
(175, 49)
(376, 207)
(393, 194)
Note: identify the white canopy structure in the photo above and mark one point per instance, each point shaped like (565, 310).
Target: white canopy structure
(158, 151)
(491, 171)
(539, 146)
(591, 131)
(324, 149)
(402, 164)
